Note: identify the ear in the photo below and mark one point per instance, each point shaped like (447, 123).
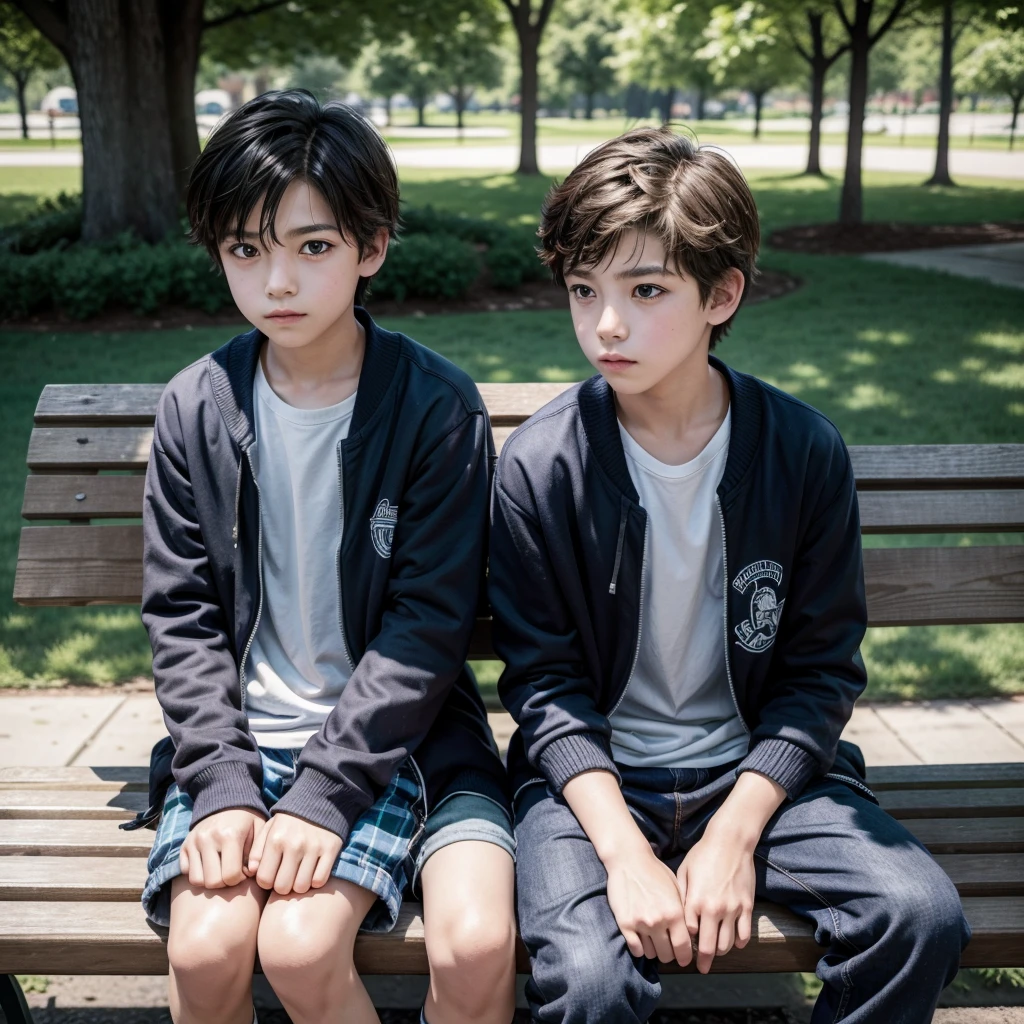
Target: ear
(373, 257)
(725, 297)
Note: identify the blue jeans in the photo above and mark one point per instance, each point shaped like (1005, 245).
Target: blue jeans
(889, 916)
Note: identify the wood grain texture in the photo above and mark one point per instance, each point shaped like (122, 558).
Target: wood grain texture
(1000, 802)
(89, 448)
(35, 838)
(969, 835)
(984, 874)
(936, 776)
(938, 465)
(941, 511)
(63, 777)
(60, 565)
(938, 586)
(40, 937)
(95, 404)
(59, 805)
(82, 497)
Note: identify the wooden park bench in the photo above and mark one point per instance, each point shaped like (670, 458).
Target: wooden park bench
(70, 880)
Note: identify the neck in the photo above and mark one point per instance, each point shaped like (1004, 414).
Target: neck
(335, 356)
(691, 398)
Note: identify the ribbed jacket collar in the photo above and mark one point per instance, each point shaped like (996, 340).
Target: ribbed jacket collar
(233, 370)
(600, 423)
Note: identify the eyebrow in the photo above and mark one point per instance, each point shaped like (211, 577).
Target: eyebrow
(308, 229)
(645, 271)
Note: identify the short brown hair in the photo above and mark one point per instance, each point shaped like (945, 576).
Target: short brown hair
(693, 198)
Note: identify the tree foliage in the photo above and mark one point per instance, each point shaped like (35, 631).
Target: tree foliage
(581, 44)
(23, 52)
(996, 68)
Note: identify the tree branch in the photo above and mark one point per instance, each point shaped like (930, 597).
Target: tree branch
(897, 9)
(50, 18)
(242, 12)
(841, 11)
(829, 61)
(543, 15)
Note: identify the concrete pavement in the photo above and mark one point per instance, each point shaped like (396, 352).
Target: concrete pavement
(1002, 263)
(108, 728)
(561, 157)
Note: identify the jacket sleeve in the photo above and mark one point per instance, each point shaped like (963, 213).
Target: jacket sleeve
(545, 685)
(407, 671)
(817, 671)
(216, 760)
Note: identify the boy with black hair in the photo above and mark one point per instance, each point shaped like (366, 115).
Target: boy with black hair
(678, 595)
(314, 523)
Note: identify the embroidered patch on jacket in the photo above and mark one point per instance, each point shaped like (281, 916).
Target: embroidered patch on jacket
(382, 527)
(757, 633)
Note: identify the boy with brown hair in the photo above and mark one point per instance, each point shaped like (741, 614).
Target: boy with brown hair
(678, 595)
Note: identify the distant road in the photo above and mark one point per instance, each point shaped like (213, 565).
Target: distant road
(561, 157)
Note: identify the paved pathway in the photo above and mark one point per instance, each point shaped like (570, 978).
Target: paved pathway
(120, 729)
(1002, 263)
(560, 157)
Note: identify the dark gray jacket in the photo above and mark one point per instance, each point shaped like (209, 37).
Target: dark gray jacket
(567, 578)
(415, 472)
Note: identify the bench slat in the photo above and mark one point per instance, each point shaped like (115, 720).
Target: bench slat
(92, 838)
(940, 511)
(103, 565)
(103, 497)
(912, 466)
(134, 777)
(934, 776)
(116, 497)
(944, 586)
(58, 805)
(113, 938)
(89, 448)
(121, 879)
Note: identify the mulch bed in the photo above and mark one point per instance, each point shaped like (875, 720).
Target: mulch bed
(884, 236)
(532, 295)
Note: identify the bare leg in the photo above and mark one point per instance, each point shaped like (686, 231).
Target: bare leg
(212, 950)
(306, 944)
(470, 925)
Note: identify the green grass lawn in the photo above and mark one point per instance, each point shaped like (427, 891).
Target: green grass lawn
(891, 354)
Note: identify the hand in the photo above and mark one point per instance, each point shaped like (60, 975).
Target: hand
(293, 855)
(215, 852)
(716, 886)
(644, 898)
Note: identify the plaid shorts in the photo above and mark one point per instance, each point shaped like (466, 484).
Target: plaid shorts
(377, 856)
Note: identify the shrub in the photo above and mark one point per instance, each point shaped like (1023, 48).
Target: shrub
(427, 266)
(58, 222)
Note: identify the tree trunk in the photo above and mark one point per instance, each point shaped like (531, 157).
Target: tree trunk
(700, 103)
(119, 69)
(758, 101)
(459, 95)
(387, 111)
(666, 110)
(20, 82)
(528, 34)
(421, 111)
(851, 203)
(589, 114)
(182, 32)
(1016, 110)
(941, 174)
(818, 71)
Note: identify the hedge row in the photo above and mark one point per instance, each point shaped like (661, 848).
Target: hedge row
(43, 267)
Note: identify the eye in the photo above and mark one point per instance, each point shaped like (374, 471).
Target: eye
(581, 291)
(647, 291)
(244, 251)
(315, 247)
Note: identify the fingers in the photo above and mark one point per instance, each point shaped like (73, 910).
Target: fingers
(183, 858)
(663, 945)
(304, 873)
(256, 850)
(269, 862)
(231, 862)
(286, 870)
(707, 941)
(743, 927)
(726, 935)
(650, 950)
(679, 935)
(209, 849)
(633, 942)
(322, 873)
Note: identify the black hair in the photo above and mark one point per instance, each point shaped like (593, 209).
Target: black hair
(257, 151)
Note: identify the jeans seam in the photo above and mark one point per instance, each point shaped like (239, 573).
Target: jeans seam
(837, 929)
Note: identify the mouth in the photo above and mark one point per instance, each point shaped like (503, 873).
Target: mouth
(284, 316)
(615, 363)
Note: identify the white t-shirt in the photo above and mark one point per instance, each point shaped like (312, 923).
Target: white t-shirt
(677, 711)
(297, 665)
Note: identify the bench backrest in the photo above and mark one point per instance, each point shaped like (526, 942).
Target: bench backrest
(90, 445)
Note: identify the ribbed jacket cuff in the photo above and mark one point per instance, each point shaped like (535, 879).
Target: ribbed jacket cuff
(782, 762)
(323, 801)
(568, 756)
(225, 785)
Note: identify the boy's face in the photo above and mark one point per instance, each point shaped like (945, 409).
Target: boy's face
(638, 320)
(297, 291)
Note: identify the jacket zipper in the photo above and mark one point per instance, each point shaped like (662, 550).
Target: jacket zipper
(639, 621)
(725, 616)
(850, 781)
(259, 571)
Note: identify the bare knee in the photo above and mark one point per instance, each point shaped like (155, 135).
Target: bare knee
(211, 948)
(472, 961)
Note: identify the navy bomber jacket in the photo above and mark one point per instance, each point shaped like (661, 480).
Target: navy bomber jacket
(567, 578)
(415, 472)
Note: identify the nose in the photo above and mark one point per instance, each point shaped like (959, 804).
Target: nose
(280, 279)
(611, 327)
